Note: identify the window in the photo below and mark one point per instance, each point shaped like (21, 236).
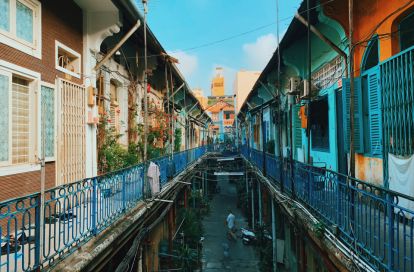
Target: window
(371, 57)
(114, 108)
(319, 122)
(20, 25)
(328, 74)
(227, 115)
(67, 60)
(4, 117)
(20, 120)
(407, 32)
(16, 143)
(48, 122)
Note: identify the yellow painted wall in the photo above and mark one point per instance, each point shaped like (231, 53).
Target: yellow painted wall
(217, 86)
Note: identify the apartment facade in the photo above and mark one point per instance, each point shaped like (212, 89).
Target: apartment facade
(40, 55)
(59, 85)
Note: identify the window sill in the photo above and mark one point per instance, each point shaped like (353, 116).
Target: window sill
(63, 70)
(21, 46)
(321, 149)
(18, 169)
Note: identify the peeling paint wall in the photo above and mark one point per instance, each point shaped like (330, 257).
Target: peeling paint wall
(369, 169)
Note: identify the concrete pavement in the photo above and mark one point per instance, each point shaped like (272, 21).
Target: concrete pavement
(220, 254)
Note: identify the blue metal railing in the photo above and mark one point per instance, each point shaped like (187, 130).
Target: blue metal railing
(74, 213)
(374, 221)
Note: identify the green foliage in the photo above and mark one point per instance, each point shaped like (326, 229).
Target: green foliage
(270, 147)
(177, 139)
(264, 249)
(319, 229)
(111, 155)
(187, 258)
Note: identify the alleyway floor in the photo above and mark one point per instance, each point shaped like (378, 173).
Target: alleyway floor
(240, 258)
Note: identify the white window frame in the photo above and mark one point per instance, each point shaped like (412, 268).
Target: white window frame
(10, 38)
(7, 168)
(39, 133)
(71, 51)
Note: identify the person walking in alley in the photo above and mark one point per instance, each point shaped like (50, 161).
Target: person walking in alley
(231, 218)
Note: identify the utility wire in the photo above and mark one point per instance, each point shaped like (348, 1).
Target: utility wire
(242, 33)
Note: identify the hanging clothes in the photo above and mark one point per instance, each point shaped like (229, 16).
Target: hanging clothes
(401, 173)
(154, 178)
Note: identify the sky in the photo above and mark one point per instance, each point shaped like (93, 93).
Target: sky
(204, 34)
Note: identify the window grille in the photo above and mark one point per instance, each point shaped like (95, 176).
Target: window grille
(328, 74)
(20, 121)
(72, 104)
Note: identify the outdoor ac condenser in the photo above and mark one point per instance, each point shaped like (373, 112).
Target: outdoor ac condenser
(293, 85)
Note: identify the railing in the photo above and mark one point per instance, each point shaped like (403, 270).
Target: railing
(74, 213)
(375, 222)
(257, 157)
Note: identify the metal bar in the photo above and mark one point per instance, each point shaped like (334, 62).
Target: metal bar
(118, 45)
(175, 92)
(267, 90)
(274, 236)
(259, 192)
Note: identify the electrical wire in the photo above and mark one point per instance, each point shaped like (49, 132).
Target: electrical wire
(231, 37)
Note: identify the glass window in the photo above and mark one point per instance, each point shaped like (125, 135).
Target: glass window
(4, 118)
(319, 122)
(371, 57)
(407, 32)
(24, 22)
(48, 117)
(5, 15)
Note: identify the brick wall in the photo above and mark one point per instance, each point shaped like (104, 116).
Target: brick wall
(61, 21)
(25, 183)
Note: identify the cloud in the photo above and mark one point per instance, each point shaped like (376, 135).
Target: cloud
(188, 64)
(258, 53)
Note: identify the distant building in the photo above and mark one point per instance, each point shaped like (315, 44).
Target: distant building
(243, 84)
(222, 115)
(217, 84)
(198, 93)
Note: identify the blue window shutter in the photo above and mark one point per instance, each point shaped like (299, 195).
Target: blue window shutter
(345, 112)
(375, 123)
(297, 129)
(358, 118)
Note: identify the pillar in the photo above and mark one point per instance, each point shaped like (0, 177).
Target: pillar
(274, 236)
(259, 191)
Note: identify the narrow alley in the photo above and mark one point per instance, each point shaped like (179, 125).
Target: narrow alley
(219, 252)
(204, 135)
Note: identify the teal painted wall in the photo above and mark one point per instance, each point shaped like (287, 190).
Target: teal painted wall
(296, 57)
(330, 156)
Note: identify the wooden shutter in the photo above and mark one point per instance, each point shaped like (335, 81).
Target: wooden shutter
(375, 124)
(358, 118)
(71, 131)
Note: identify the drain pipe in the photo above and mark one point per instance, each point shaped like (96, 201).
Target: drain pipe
(324, 39)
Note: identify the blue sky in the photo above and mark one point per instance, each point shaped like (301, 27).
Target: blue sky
(184, 24)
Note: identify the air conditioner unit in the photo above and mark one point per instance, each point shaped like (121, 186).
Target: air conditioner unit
(293, 86)
(305, 93)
